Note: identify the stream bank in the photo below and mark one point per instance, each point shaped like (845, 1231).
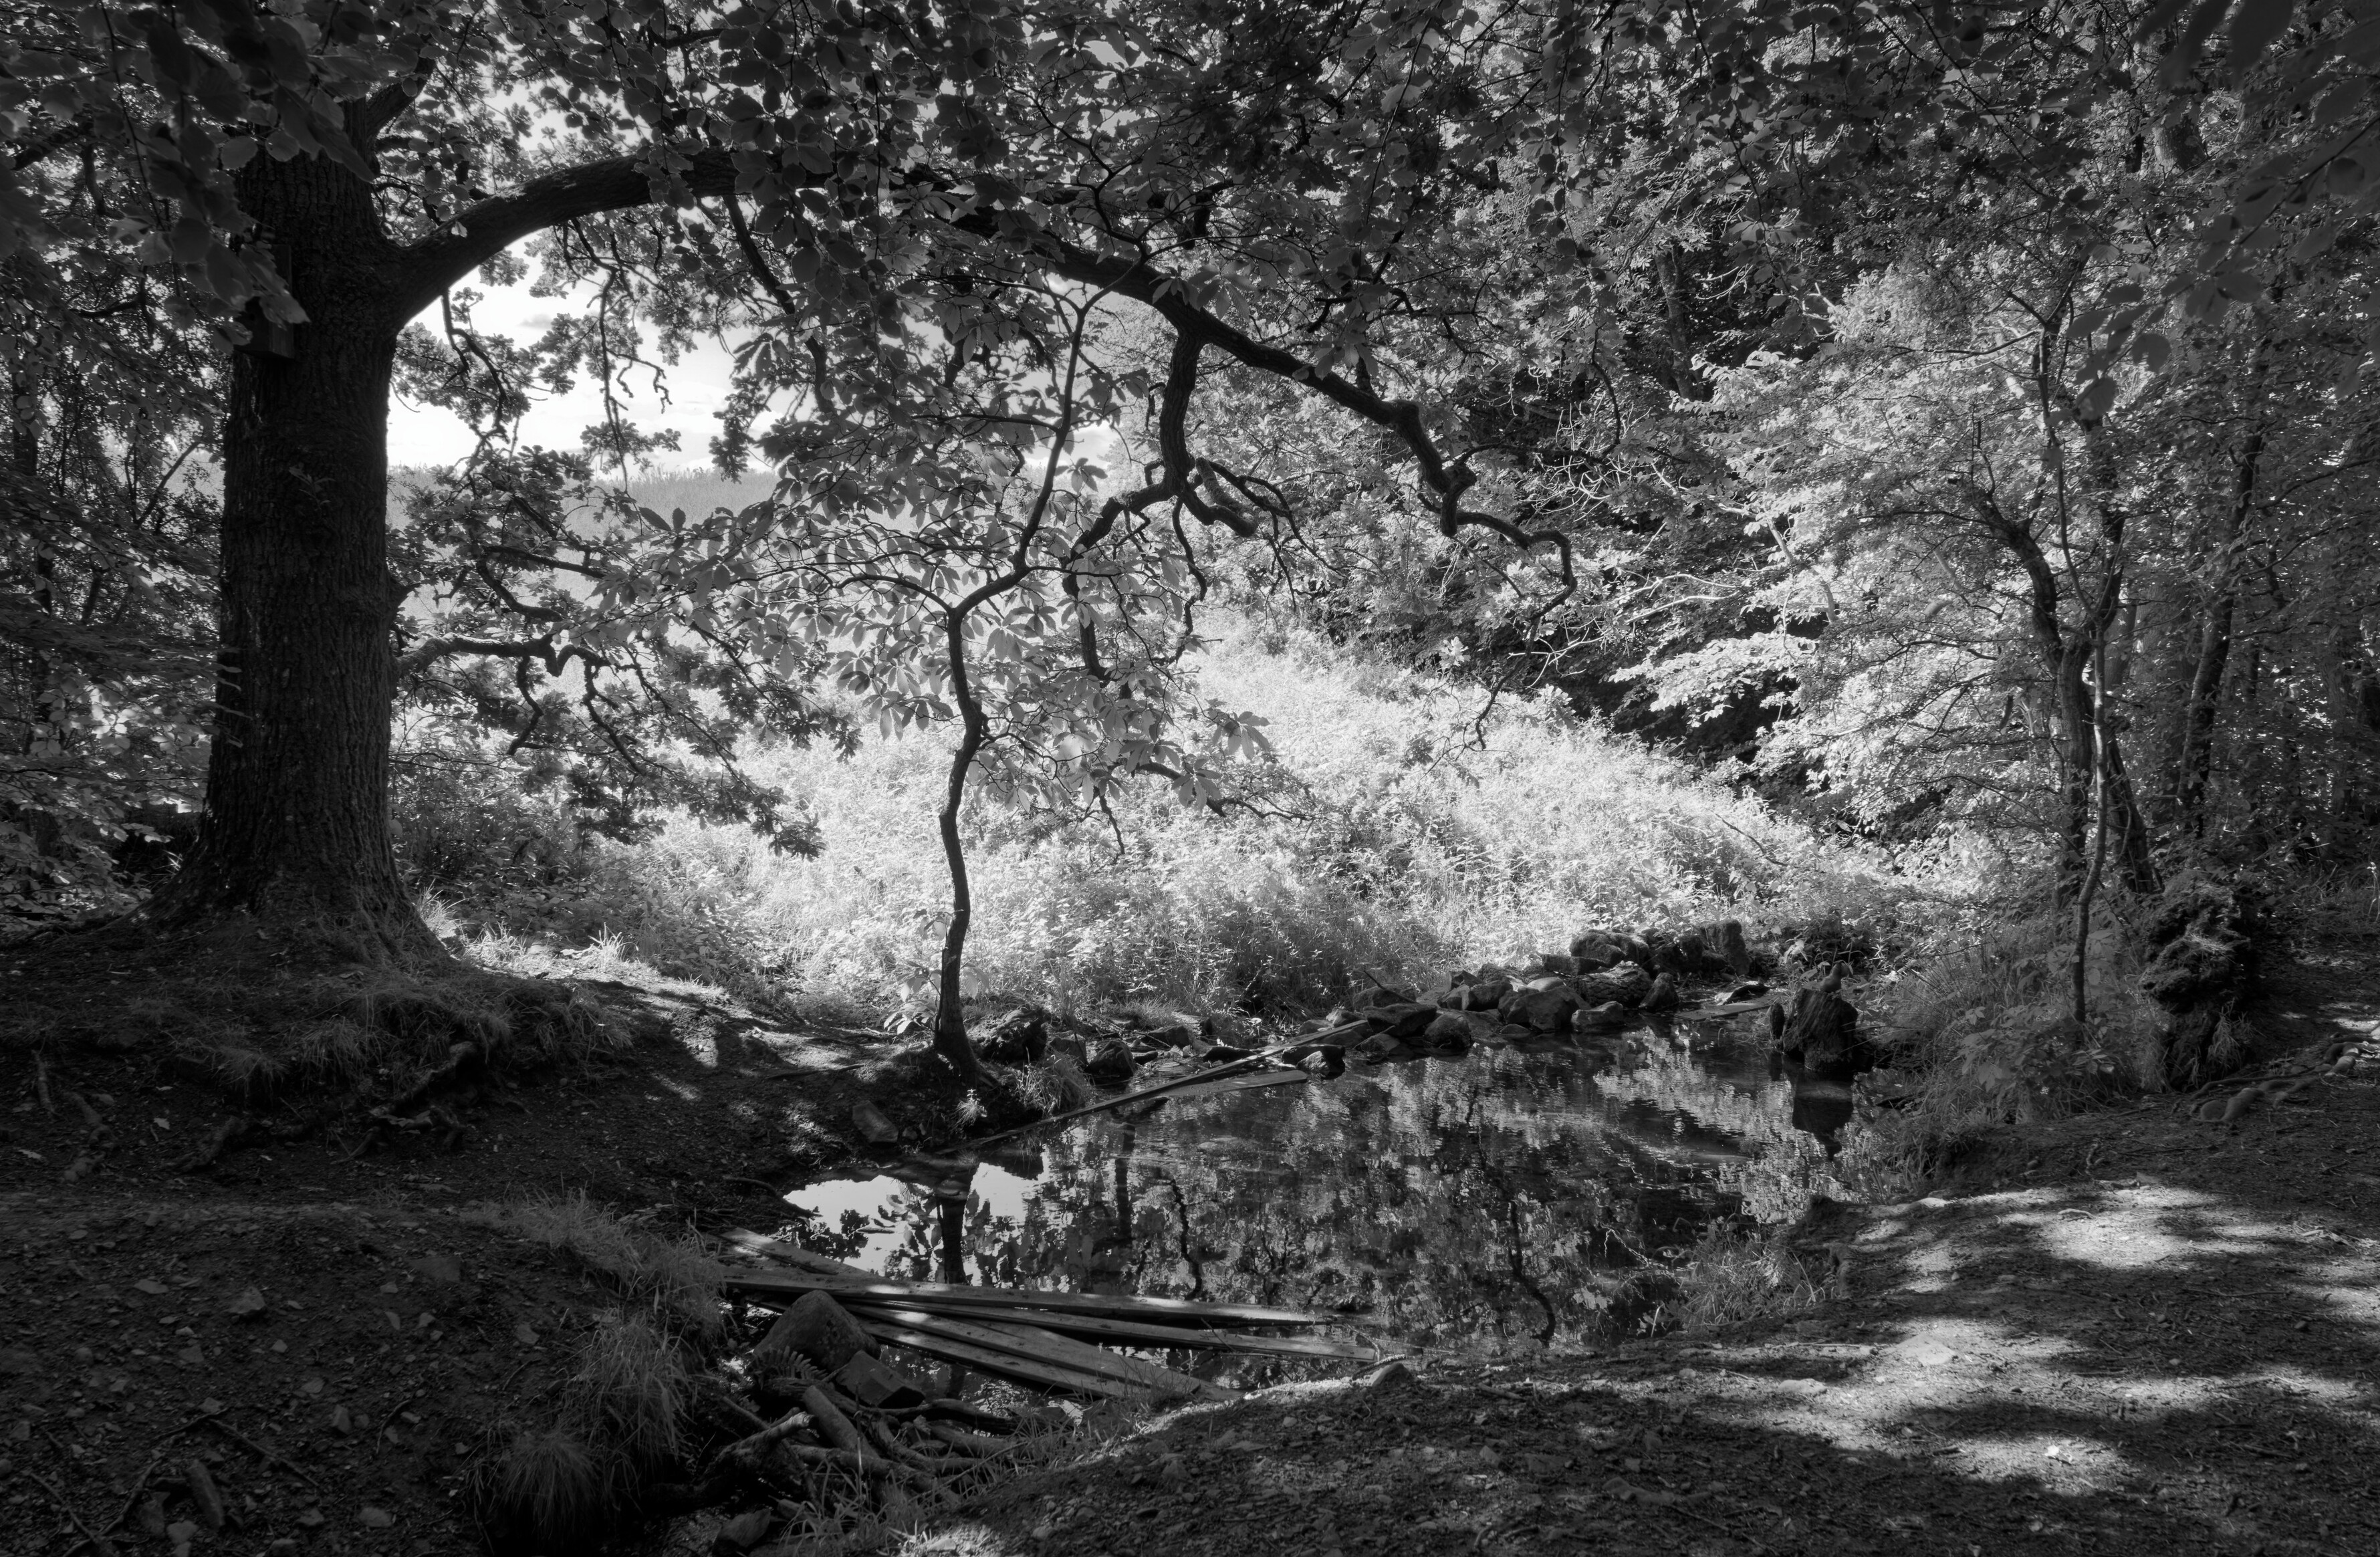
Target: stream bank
(2181, 1309)
(2129, 1332)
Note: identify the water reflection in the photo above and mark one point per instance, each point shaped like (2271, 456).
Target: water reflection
(1500, 1197)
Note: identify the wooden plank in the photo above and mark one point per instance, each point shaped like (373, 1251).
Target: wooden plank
(1128, 1332)
(1005, 1365)
(1043, 1345)
(1162, 1382)
(1742, 1007)
(752, 1243)
(1178, 1310)
(1188, 1337)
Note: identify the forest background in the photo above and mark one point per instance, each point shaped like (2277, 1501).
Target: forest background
(1300, 496)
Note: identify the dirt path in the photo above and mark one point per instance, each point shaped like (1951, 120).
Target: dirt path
(2129, 1332)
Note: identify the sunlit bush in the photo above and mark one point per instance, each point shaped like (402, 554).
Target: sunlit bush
(1383, 840)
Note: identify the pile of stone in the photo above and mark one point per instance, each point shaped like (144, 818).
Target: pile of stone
(1606, 977)
(2359, 1058)
(1110, 1053)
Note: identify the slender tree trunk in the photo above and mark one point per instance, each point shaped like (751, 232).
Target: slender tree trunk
(2122, 805)
(2195, 767)
(951, 1039)
(2197, 761)
(296, 822)
(2079, 764)
(41, 731)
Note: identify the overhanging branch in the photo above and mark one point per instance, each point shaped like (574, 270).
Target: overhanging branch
(482, 231)
(1162, 293)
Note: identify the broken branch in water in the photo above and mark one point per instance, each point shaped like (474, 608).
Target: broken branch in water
(1244, 1062)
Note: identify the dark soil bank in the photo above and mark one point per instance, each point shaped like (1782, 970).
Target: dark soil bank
(2137, 1331)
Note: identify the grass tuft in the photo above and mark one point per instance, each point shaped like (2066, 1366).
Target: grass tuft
(672, 1273)
(426, 1012)
(630, 1389)
(1054, 1084)
(1736, 1275)
(548, 1491)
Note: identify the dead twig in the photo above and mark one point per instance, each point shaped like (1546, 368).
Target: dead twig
(92, 1537)
(382, 1437)
(270, 1456)
(131, 1502)
(747, 1452)
(1732, 1534)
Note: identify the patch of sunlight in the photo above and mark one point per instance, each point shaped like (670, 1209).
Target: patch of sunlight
(685, 1092)
(1932, 1270)
(2353, 1298)
(2126, 1243)
(2292, 1380)
(961, 1541)
(2006, 1457)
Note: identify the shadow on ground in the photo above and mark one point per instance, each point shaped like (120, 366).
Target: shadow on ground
(2147, 1334)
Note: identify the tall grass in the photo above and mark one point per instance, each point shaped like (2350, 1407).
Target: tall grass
(1391, 844)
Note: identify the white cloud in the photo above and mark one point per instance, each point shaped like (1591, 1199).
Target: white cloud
(696, 386)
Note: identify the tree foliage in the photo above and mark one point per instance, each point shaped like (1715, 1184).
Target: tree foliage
(1955, 414)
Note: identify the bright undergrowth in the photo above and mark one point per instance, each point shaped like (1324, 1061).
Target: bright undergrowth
(1387, 836)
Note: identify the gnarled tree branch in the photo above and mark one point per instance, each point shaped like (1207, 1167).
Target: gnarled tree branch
(482, 231)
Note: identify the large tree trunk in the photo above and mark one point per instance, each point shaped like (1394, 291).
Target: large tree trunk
(296, 822)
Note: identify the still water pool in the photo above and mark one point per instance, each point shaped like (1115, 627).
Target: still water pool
(1507, 1195)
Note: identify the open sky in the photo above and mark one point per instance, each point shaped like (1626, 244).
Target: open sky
(696, 386)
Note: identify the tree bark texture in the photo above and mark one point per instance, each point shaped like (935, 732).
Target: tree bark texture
(2065, 658)
(296, 820)
(2194, 766)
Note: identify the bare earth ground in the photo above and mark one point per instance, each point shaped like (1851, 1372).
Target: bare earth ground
(398, 1335)
(2127, 1333)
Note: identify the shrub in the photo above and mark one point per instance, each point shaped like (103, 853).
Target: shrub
(1378, 841)
(1984, 1025)
(671, 1274)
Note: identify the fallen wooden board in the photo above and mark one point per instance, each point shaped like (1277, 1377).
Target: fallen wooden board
(1758, 1002)
(1159, 1309)
(1127, 1332)
(1188, 1337)
(1058, 1351)
(750, 1242)
(1004, 1365)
